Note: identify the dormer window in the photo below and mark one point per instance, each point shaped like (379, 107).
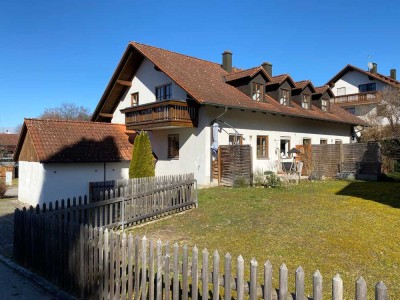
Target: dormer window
(164, 92)
(284, 100)
(368, 87)
(257, 92)
(325, 105)
(306, 101)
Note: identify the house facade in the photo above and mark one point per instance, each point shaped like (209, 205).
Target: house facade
(178, 99)
(58, 158)
(356, 90)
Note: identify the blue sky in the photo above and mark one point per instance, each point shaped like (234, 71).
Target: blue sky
(66, 51)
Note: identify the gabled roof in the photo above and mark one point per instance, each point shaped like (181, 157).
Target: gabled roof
(65, 141)
(279, 79)
(246, 73)
(323, 89)
(303, 84)
(377, 76)
(8, 139)
(203, 81)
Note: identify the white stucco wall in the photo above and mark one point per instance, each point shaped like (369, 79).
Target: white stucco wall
(195, 152)
(351, 81)
(145, 82)
(40, 183)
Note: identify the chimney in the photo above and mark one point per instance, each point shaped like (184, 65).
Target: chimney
(227, 60)
(393, 74)
(267, 67)
(374, 69)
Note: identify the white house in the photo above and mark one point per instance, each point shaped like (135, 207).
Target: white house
(356, 90)
(57, 159)
(178, 99)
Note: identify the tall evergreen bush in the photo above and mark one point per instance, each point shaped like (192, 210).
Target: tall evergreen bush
(142, 163)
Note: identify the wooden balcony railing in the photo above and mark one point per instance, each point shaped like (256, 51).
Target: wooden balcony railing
(157, 115)
(354, 99)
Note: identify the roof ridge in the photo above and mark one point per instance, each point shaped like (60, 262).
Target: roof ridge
(375, 74)
(72, 121)
(174, 52)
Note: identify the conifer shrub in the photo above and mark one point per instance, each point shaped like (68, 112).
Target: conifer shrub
(142, 162)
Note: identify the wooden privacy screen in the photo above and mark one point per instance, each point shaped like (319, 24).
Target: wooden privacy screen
(234, 161)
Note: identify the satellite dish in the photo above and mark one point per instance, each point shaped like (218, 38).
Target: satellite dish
(370, 65)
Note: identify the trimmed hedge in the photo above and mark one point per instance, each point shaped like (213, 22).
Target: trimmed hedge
(142, 163)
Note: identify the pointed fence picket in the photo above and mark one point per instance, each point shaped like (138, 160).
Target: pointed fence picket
(98, 263)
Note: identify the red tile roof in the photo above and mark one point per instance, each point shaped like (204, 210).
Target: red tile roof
(205, 82)
(321, 89)
(8, 139)
(303, 84)
(64, 141)
(377, 76)
(245, 73)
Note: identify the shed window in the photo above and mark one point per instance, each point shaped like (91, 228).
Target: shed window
(323, 141)
(173, 146)
(235, 139)
(262, 146)
(135, 99)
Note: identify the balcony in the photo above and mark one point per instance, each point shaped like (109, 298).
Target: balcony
(356, 99)
(161, 115)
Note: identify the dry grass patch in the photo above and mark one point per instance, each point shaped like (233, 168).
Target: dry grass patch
(351, 228)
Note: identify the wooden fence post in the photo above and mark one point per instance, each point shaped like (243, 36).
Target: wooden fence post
(195, 273)
(144, 267)
(215, 275)
(159, 270)
(227, 277)
(175, 286)
(299, 283)
(185, 263)
(337, 288)
(253, 279)
(381, 291)
(240, 278)
(267, 280)
(317, 286)
(283, 282)
(361, 289)
(204, 275)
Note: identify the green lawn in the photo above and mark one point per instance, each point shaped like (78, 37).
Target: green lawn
(351, 228)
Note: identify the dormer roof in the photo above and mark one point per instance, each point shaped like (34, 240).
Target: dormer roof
(279, 79)
(249, 73)
(303, 84)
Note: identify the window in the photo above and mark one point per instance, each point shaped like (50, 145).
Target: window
(284, 97)
(325, 105)
(173, 146)
(306, 102)
(285, 147)
(368, 87)
(338, 141)
(341, 91)
(164, 92)
(306, 141)
(351, 110)
(257, 92)
(134, 99)
(323, 141)
(262, 146)
(235, 139)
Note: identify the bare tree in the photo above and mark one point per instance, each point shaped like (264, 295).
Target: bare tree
(384, 123)
(67, 111)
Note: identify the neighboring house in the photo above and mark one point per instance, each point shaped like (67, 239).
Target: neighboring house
(178, 99)
(58, 158)
(356, 90)
(8, 143)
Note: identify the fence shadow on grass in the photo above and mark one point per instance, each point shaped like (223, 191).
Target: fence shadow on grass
(384, 192)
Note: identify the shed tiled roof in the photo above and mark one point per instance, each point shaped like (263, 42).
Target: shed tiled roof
(377, 76)
(206, 83)
(65, 141)
(8, 139)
